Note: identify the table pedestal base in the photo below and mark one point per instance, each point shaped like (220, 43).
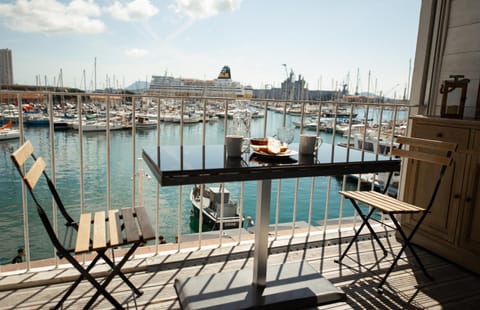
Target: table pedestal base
(289, 286)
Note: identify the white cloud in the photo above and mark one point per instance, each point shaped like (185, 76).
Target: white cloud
(136, 52)
(52, 16)
(133, 11)
(198, 9)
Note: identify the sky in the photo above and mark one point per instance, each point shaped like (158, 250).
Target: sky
(369, 44)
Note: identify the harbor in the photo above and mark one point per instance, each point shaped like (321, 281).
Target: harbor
(293, 194)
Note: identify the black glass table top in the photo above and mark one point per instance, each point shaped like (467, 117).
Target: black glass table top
(192, 164)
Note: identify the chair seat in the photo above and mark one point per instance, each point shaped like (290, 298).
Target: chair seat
(102, 230)
(382, 202)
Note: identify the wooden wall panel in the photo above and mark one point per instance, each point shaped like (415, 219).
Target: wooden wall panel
(463, 39)
(464, 12)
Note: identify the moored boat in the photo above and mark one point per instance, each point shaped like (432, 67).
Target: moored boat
(210, 203)
(8, 133)
(145, 122)
(91, 126)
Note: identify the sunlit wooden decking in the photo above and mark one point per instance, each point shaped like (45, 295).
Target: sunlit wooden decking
(406, 288)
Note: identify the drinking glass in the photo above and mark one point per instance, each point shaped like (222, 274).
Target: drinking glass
(286, 135)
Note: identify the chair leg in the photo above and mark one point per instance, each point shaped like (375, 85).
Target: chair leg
(76, 283)
(402, 249)
(122, 275)
(115, 271)
(364, 223)
(91, 279)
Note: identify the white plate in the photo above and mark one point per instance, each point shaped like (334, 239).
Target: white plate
(286, 153)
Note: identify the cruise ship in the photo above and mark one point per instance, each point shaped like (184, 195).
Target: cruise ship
(223, 86)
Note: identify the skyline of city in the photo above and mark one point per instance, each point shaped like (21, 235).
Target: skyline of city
(369, 45)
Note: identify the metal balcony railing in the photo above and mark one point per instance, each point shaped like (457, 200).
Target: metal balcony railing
(92, 143)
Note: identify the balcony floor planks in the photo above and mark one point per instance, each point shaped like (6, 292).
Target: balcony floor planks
(406, 287)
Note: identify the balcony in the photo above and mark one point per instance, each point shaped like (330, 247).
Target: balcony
(407, 287)
(314, 235)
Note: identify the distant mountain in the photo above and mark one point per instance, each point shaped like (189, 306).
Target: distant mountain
(138, 85)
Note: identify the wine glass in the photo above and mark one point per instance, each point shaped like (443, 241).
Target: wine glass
(286, 135)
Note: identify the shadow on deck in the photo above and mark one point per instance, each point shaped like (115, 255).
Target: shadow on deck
(358, 275)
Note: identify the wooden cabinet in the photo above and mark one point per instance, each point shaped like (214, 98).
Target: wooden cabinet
(452, 229)
(470, 229)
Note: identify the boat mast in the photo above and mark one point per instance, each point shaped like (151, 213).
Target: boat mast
(95, 74)
(358, 79)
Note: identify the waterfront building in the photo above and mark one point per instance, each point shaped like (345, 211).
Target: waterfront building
(6, 68)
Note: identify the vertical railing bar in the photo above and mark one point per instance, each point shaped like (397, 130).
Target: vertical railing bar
(302, 116)
(179, 217)
(327, 207)
(349, 132)
(310, 205)
(380, 120)
(364, 139)
(26, 232)
(295, 205)
(279, 183)
(200, 216)
(334, 129)
(240, 220)
(108, 153)
(180, 193)
(225, 118)
(319, 116)
(80, 137)
(204, 123)
(265, 112)
(134, 168)
(377, 147)
(181, 121)
(157, 189)
(225, 133)
(379, 133)
(332, 158)
(277, 206)
(140, 182)
(395, 110)
(204, 139)
(222, 206)
(312, 182)
(242, 193)
(52, 163)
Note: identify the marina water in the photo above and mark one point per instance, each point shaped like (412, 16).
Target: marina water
(67, 160)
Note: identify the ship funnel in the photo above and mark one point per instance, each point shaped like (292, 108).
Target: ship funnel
(225, 73)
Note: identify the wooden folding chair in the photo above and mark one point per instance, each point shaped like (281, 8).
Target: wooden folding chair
(129, 226)
(419, 150)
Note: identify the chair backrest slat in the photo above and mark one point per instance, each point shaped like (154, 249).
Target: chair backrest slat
(426, 150)
(21, 155)
(427, 143)
(423, 156)
(35, 172)
(431, 151)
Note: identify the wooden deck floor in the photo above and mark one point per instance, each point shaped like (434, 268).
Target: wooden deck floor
(358, 275)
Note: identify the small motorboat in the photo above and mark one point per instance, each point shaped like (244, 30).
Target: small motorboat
(210, 203)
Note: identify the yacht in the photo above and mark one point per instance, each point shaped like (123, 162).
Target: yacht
(223, 86)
